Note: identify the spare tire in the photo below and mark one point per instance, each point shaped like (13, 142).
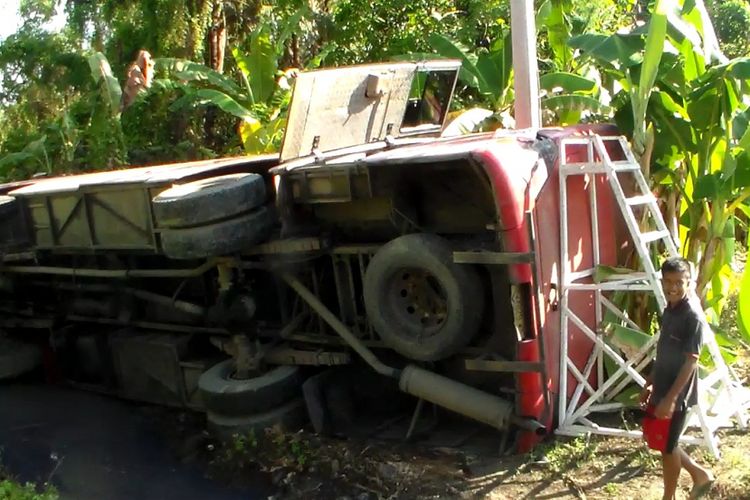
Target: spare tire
(228, 396)
(289, 416)
(221, 238)
(208, 200)
(17, 358)
(420, 302)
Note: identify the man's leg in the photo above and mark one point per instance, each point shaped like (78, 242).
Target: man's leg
(700, 475)
(671, 457)
(671, 465)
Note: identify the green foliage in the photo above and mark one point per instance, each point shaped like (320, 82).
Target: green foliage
(362, 25)
(58, 99)
(260, 106)
(552, 17)
(258, 68)
(156, 133)
(611, 489)
(565, 455)
(110, 87)
(671, 90)
(743, 302)
(731, 19)
(55, 111)
(244, 443)
(376, 30)
(12, 490)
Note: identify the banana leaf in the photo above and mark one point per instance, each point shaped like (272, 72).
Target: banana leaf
(743, 303)
(194, 72)
(567, 82)
(619, 51)
(495, 69)
(630, 396)
(259, 66)
(455, 50)
(466, 122)
(203, 97)
(570, 107)
(102, 74)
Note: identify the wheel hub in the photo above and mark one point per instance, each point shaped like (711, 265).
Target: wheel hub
(419, 300)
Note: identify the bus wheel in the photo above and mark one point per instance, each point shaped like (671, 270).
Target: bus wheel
(226, 395)
(420, 302)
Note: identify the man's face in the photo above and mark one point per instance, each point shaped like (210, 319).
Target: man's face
(675, 285)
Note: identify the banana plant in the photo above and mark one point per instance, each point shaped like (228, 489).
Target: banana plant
(552, 17)
(259, 102)
(669, 83)
(489, 72)
(566, 96)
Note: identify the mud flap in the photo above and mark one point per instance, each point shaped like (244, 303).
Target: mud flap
(312, 390)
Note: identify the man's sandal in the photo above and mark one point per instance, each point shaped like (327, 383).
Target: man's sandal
(699, 491)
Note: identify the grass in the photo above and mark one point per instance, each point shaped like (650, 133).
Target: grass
(272, 446)
(562, 456)
(612, 489)
(13, 490)
(733, 471)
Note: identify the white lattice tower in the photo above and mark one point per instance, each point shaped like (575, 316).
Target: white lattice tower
(722, 395)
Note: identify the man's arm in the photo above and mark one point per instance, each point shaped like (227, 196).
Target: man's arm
(666, 406)
(648, 388)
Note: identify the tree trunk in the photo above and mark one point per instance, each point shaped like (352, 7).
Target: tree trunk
(217, 40)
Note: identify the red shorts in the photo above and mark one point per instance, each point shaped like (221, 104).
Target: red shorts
(662, 434)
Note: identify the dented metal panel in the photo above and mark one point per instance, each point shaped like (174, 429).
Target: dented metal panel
(112, 210)
(159, 174)
(338, 108)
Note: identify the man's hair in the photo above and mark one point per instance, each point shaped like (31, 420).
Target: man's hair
(677, 265)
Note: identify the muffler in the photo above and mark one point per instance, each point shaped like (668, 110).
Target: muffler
(463, 399)
(442, 391)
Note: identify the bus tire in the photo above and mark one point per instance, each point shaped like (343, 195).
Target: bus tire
(422, 304)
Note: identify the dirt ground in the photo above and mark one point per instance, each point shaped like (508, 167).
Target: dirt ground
(284, 466)
(304, 465)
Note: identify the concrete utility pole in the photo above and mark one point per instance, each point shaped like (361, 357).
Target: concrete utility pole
(525, 71)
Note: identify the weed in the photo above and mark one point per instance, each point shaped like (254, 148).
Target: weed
(28, 491)
(244, 442)
(563, 456)
(737, 469)
(301, 451)
(643, 457)
(706, 456)
(12, 489)
(611, 488)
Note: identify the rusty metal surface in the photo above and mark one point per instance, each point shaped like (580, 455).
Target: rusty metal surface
(342, 107)
(289, 356)
(153, 175)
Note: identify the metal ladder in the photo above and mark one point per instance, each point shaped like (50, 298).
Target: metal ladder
(721, 385)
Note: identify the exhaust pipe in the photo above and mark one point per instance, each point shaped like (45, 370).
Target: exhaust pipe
(464, 399)
(442, 391)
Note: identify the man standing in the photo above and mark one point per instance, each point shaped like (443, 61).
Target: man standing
(671, 388)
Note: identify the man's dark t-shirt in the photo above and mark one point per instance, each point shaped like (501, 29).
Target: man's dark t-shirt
(681, 334)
